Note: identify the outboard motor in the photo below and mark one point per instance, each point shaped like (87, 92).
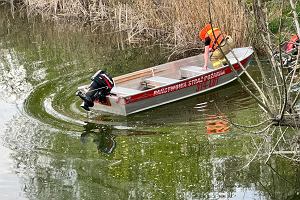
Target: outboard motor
(100, 86)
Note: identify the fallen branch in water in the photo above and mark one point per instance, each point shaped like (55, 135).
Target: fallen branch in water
(280, 128)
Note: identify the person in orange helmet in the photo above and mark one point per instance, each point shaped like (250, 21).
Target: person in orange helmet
(214, 40)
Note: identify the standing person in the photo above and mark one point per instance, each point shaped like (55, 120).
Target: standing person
(214, 40)
(289, 52)
(292, 45)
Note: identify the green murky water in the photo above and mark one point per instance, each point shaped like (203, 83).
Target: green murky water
(51, 149)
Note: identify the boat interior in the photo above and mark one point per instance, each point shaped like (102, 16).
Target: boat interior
(165, 74)
(158, 76)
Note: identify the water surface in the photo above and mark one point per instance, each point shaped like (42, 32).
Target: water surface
(51, 149)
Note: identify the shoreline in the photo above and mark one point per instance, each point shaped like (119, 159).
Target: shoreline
(172, 23)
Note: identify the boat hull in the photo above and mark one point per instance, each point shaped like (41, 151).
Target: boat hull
(173, 92)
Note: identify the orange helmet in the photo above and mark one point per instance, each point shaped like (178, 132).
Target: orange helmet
(203, 32)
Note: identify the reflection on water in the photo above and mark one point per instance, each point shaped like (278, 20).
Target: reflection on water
(10, 185)
(13, 85)
(217, 124)
(171, 152)
(102, 137)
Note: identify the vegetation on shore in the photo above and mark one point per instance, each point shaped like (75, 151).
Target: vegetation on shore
(173, 23)
(170, 22)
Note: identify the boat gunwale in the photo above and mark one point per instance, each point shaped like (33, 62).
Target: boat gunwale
(180, 80)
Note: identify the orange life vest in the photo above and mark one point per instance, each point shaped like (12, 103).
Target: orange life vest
(216, 38)
(215, 35)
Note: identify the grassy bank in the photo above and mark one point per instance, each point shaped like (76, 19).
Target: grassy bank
(170, 22)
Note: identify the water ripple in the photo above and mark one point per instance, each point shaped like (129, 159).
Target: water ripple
(49, 109)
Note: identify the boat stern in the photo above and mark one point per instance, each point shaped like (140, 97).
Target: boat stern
(114, 104)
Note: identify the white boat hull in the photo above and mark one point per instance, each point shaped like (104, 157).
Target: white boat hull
(126, 99)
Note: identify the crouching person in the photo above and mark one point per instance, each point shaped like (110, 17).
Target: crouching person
(99, 88)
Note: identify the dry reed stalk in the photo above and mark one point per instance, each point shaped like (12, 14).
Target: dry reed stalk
(173, 22)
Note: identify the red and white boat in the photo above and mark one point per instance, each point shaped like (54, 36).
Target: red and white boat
(173, 81)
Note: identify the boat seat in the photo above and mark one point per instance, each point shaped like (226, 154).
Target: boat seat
(156, 81)
(191, 71)
(123, 91)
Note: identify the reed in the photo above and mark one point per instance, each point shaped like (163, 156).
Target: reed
(170, 22)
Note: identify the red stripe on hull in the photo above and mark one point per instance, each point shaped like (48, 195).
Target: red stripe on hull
(203, 82)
